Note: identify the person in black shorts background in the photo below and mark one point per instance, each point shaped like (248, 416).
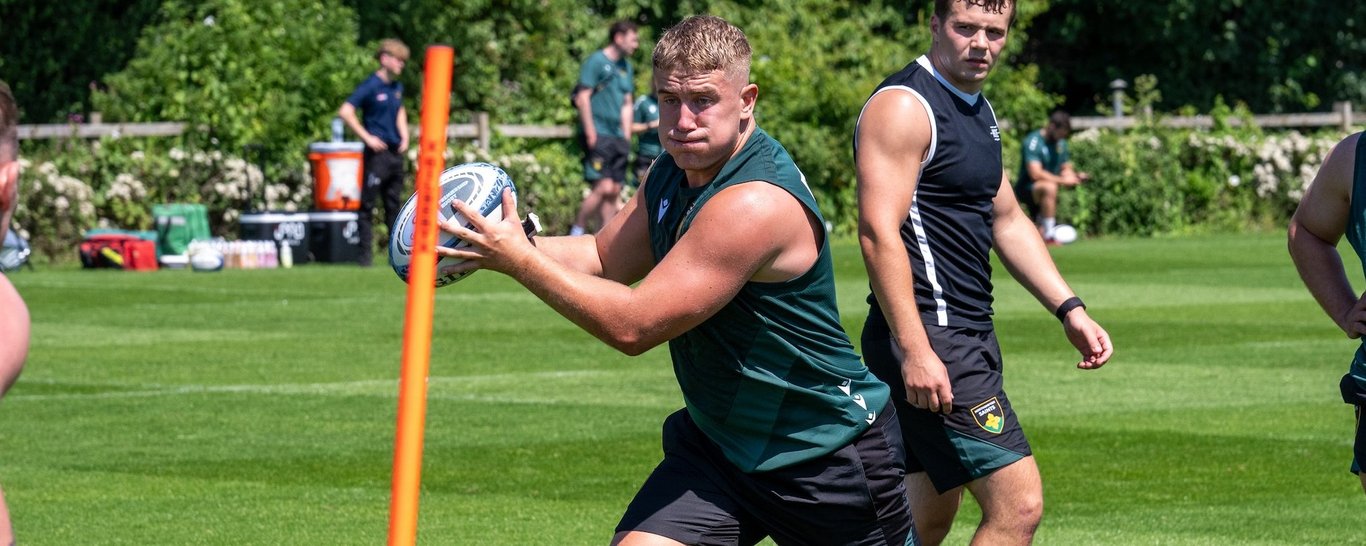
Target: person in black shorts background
(785, 433)
(934, 202)
(385, 133)
(603, 100)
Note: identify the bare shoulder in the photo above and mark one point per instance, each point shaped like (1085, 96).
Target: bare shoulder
(754, 204)
(1327, 201)
(761, 229)
(894, 119)
(1334, 178)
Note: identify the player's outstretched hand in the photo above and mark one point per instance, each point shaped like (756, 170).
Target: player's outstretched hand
(1089, 338)
(492, 244)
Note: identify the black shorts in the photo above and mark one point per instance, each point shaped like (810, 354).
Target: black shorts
(607, 159)
(981, 435)
(856, 495)
(1354, 394)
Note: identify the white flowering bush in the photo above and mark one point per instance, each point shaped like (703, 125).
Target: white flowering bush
(1151, 180)
(69, 187)
(548, 177)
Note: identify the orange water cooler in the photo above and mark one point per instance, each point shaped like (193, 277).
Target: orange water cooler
(337, 171)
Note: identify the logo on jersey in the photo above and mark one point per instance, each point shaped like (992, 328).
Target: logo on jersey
(858, 399)
(996, 133)
(663, 208)
(989, 416)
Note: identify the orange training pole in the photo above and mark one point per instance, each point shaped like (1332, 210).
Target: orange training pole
(417, 325)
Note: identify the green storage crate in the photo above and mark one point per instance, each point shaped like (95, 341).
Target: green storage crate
(179, 223)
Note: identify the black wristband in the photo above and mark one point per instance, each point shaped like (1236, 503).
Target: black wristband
(531, 225)
(1067, 306)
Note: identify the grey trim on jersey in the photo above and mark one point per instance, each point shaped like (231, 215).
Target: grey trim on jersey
(970, 98)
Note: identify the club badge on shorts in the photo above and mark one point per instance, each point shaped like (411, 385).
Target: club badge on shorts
(989, 416)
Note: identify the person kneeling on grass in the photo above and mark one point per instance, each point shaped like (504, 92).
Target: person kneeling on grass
(785, 433)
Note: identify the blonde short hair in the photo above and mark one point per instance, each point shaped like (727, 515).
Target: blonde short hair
(393, 47)
(703, 43)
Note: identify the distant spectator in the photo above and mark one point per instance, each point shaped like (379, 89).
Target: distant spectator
(603, 100)
(1045, 167)
(646, 128)
(385, 133)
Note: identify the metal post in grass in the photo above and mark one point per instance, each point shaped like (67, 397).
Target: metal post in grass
(417, 324)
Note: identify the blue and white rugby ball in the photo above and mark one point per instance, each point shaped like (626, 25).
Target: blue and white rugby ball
(480, 185)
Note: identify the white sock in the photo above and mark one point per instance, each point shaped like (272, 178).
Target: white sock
(576, 230)
(1048, 225)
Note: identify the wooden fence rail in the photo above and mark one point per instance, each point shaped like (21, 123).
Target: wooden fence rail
(1342, 116)
(483, 132)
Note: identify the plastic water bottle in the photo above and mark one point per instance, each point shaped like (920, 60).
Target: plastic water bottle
(272, 254)
(336, 129)
(286, 255)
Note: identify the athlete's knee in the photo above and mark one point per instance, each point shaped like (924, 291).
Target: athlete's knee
(933, 519)
(1019, 519)
(1045, 192)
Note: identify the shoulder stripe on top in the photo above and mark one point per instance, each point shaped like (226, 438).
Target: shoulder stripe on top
(941, 307)
(921, 237)
(929, 112)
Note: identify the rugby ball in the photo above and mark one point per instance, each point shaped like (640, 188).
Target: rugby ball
(479, 185)
(206, 259)
(1064, 233)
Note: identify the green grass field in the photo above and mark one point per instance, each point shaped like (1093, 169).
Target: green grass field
(258, 407)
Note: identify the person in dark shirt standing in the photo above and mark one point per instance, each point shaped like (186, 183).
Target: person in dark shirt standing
(602, 98)
(784, 432)
(934, 203)
(384, 129)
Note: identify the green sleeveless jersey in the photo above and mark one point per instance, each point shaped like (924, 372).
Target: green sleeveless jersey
(611, 81)
(1356, 234)
(771, 378)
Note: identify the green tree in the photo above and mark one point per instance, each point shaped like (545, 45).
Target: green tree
(54, 52)
(243, 73)
(1273, 55)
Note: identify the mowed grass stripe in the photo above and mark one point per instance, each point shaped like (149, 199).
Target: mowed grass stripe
(271, 396)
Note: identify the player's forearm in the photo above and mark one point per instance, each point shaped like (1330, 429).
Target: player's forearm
(578, 253)
(349, 117)
(892, 281)
(590, 131)
(1024, 255)
(1320, 267)
(605, 309)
